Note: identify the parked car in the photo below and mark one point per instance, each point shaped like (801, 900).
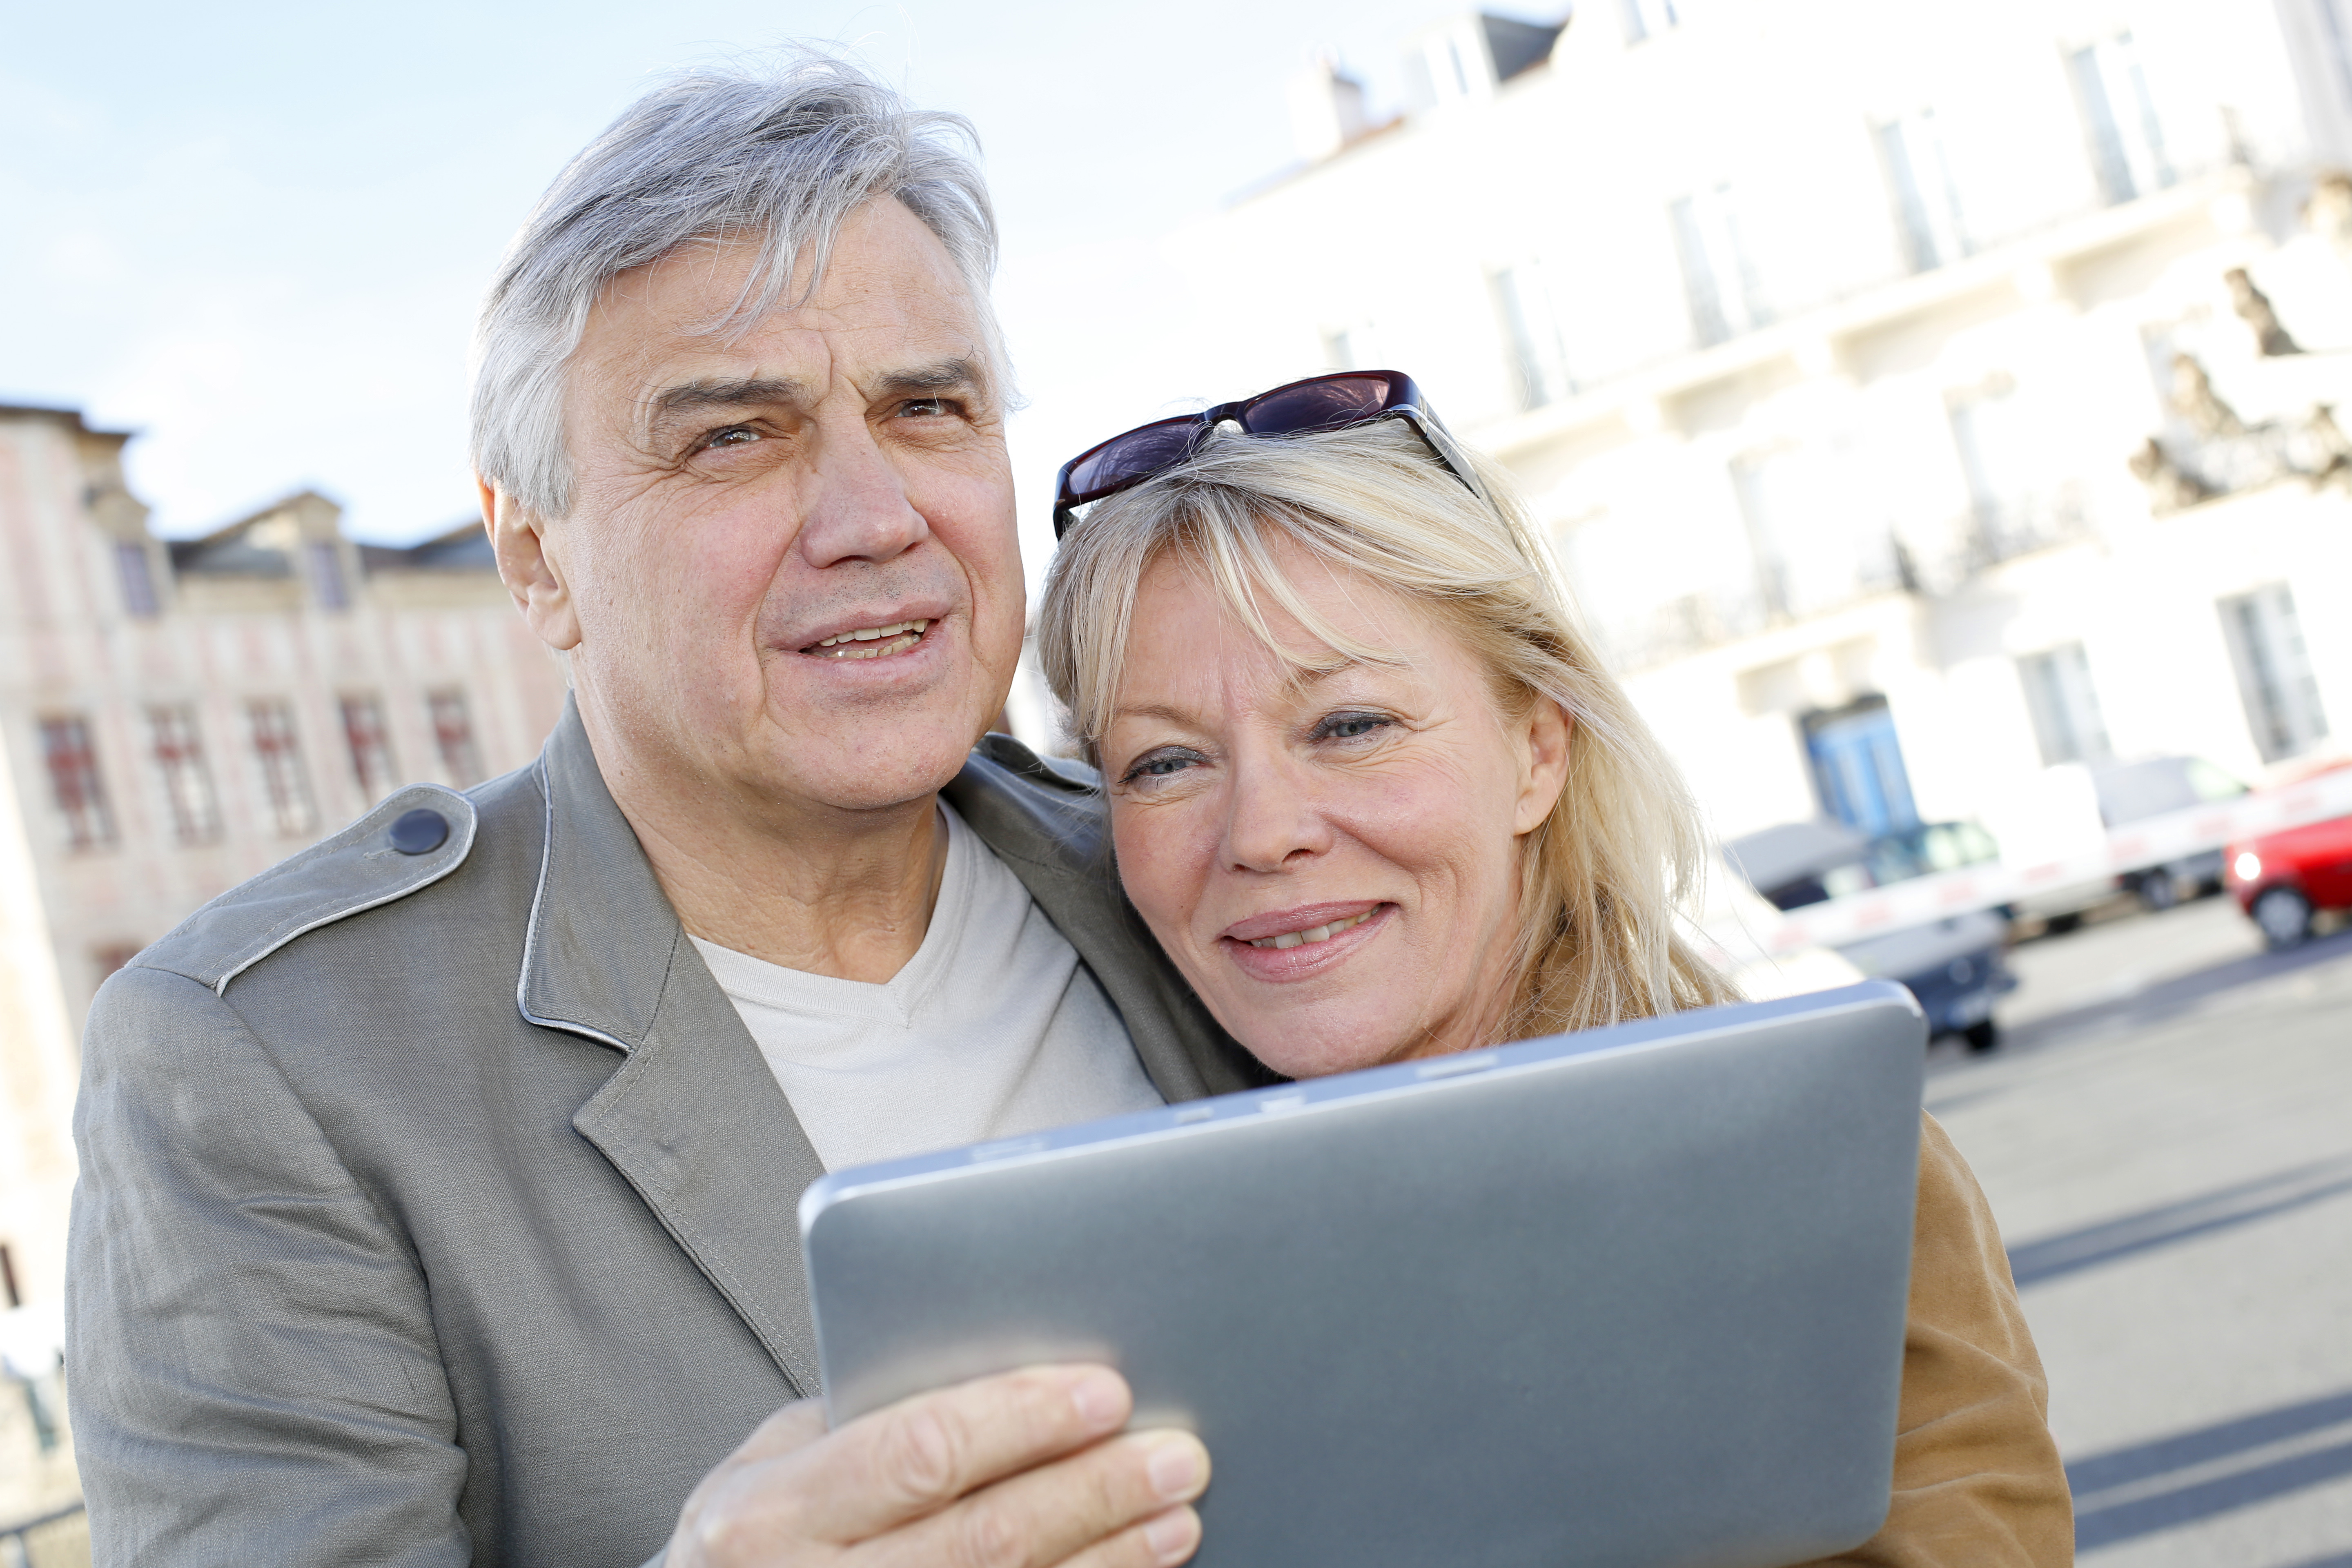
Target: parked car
(2052, 817)
(1953, 965)
(2282, 879)
(2133, 792)
(1802, 863)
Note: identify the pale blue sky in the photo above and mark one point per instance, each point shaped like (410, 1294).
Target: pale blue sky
(256, 232)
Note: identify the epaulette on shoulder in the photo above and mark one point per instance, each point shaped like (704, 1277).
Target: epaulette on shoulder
(418, 836)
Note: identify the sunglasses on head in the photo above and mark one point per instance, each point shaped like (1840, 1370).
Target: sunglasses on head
(1336, 402)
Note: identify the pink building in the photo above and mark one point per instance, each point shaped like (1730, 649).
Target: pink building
(177, 716)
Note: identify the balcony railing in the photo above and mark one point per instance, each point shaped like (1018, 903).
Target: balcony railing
(1930, 563)
(1940, 560)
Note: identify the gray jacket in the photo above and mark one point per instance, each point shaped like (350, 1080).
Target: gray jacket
(439, 1209)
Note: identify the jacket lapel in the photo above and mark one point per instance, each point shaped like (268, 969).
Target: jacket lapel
(694, 1118)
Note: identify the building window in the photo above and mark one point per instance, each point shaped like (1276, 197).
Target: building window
(291, 809)
(1538, 356)
(187, 783)
(2120, 119)
(364, 731)
(2066, 707)
(1858, 767)
(453, 732)
(1648, 18)
(2331, 22)
(327, 575)
(2007, 463)
(75, 783)
(1926, 202)
(2274, 674)
(136, 571)
(1726, 292)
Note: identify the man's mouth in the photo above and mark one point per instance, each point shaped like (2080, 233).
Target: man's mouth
(870, 642)
(1314, 933)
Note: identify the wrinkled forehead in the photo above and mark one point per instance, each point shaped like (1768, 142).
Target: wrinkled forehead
(887, 291)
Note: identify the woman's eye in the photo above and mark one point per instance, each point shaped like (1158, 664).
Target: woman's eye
(1349, 726)
(1160, 765)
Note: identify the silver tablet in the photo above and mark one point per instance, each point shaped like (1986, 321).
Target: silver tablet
(1630, 1297)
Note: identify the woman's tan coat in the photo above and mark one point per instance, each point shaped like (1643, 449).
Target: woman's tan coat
(1977, 1481)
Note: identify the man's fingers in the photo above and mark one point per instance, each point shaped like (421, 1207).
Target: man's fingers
(795, 1425)
(920, 1454)
(1119, 1504)
(1158, 1542)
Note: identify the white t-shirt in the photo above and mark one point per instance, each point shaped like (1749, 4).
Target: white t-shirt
(993, 1029)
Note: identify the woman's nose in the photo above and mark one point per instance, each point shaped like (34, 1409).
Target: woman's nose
(1272, 818)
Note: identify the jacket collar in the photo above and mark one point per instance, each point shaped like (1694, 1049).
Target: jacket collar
(1046, 821)
(694, 1118)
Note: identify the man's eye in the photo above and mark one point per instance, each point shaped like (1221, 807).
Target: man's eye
(926, 408)
(733, 435)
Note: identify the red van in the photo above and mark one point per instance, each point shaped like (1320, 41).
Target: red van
(2282, 879)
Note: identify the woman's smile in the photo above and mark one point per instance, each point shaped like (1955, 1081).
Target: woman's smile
(1299, 943)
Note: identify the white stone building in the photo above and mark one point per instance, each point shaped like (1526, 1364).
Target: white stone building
(1827, 336)
(175, 717)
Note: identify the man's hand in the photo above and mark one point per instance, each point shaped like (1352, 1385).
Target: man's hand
(1022, 1471)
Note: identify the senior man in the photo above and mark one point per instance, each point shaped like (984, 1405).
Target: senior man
(438, 1185)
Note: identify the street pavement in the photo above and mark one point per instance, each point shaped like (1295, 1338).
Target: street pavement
(2165, 1135)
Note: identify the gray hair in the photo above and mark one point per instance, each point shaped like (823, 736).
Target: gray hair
(784, 155)
(1602, 876)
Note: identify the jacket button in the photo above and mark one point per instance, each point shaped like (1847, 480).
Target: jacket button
(420, 831)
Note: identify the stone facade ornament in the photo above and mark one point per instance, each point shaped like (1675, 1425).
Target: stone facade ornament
(2194, 399)
(2327, 212)
(2254, 308)
(2171, 487)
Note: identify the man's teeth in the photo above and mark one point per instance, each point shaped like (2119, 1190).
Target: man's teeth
(1313, 933)
(844, 645)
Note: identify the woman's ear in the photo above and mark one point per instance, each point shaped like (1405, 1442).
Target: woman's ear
(1543, 739)
(533, 578)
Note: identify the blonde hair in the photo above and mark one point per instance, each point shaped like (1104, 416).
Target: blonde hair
(1601, 877)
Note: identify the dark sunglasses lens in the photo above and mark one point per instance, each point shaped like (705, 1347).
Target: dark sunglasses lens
(1330, 403)
(1124, 459)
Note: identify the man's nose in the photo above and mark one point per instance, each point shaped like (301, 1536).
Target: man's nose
(1273, 818)
(855, 505)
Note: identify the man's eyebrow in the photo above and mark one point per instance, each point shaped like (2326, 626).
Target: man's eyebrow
(945, 376)
(753, 392)
(690, 396)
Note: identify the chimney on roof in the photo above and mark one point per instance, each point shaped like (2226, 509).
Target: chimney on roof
(1327, 109)
(1463, 60)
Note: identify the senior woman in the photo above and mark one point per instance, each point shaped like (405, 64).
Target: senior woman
(1375, 794)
